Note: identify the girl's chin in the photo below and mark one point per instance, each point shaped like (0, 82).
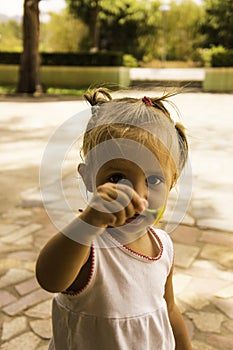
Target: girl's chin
(131, 222)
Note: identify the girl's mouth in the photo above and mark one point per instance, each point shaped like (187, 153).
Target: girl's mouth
(135, 219)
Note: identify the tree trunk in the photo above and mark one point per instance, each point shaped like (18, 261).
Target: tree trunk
(95, 27)
(29, 79)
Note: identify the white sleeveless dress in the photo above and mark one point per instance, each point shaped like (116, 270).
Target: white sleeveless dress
(122, 307)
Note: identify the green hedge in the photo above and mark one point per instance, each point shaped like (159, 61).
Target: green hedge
(10, 57)
(222, 59)
(69, 59)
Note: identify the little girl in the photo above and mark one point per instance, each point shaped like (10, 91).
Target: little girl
(111, 267)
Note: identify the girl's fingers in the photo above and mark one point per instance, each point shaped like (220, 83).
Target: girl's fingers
(138, 202)
(123, 195)
(116, 203)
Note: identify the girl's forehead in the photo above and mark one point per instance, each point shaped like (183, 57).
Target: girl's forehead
(121, 148)
(127, 159)
(125, 165)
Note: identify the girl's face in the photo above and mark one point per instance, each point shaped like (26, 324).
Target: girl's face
(146, 177)
(127, 161)
(149, 183)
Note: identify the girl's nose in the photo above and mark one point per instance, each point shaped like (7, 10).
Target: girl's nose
(142, 190)
(138, 186)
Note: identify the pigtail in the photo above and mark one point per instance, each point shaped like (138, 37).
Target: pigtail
(97, 96)
(183, 144)
(158, 103)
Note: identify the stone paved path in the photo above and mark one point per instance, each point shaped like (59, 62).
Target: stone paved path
(203, 242)
(203, 283)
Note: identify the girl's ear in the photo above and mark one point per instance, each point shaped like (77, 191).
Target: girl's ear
(82, 170)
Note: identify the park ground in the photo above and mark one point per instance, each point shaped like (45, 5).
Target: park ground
(203, 240)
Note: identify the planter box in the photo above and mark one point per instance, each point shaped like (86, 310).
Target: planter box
(218, 80)
(83, 77)
(9, 74)
(72, 77)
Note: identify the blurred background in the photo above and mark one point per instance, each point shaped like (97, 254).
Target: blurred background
(41, 35)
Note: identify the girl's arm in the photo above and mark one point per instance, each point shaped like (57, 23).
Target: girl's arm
(62, 258)
(176, 319)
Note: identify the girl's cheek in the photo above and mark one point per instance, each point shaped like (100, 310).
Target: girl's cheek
(158, 197)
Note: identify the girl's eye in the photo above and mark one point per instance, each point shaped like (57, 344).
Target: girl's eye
(115, 178)
(153, 180)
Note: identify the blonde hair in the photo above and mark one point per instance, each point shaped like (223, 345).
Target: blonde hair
(146, 121)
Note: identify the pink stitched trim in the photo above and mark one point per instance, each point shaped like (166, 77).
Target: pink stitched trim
(72, 293)
(143, 256)
(150, 258)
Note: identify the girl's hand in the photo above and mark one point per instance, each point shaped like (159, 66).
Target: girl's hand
(112, 204)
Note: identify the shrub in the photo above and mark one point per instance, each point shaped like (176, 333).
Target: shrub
(222, 59)
(130, 61)
(205, 55)
(69, 59)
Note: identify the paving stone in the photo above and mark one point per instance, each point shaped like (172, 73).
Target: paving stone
(42, 328)
(27, 286)
(22, 232)
(26, 341)
(195, 300)
(203, 267)
(14, 327)
(217, 224)
(7, 248)
(189, 326)
(6, 229)
(25, 241)
(40, 241)
(188, 220)
(216, 237)
(171, 222)
(28, 265)
(199, 345)
(185, 254)
(182, 307)
(31, 198)
(46, 232)
(225, 292)
(180, 282)
(225, 305)
(186, 234)
(224, 342)
(206, 286)
(206, 321)
(25, 302)
(6, 298)
(223, 255)
(23, 255)
(201, 209)
(14, 276)
(42, 310)
(229, 325)
(17, 213)
(44, 347)
(6, 264)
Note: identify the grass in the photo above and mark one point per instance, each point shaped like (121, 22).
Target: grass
(65, 92)
(11, 90)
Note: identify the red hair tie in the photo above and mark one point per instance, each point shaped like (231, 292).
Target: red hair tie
(147, 101)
